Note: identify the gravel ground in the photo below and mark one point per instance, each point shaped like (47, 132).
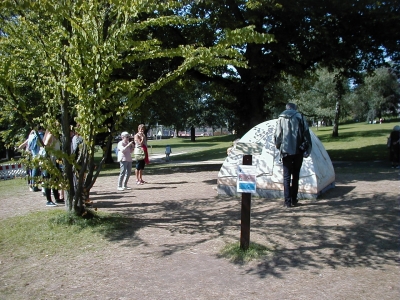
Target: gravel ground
(344, 245)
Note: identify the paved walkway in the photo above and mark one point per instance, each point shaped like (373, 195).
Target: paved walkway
(174, 159)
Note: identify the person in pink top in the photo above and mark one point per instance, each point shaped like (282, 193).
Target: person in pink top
(125, 149)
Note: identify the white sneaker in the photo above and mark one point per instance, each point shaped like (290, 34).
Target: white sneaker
(120, 188)
(127, 188)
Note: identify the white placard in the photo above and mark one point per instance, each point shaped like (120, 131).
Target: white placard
(246, 179)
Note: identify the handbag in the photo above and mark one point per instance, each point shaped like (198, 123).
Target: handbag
(138, 153)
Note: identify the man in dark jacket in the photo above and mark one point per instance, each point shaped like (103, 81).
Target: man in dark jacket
(292, 138)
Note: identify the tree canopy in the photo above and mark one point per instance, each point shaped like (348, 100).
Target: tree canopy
(92, 62)
(351, 36)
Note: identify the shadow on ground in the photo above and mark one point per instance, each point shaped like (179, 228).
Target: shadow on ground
(353, 225)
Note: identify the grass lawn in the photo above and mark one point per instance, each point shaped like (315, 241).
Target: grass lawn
(356, 141)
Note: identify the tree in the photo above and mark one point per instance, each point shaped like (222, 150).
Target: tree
(378, 95)
(345, 35)
(317, 94)
(13, 114)
(87, 61)
(215, 114)
(175, 105)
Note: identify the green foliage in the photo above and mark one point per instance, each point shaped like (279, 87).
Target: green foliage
(316, 95)
(92, 63)
(305, 35)
(378, 96)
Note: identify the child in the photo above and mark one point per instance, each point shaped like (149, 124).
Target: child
(168, 151)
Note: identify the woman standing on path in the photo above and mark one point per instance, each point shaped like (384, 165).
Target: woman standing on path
(141, 142)
(125, 149)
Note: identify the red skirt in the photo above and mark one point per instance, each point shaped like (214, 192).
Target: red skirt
(146, 155)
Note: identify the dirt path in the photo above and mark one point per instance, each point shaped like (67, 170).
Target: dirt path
(342, 246)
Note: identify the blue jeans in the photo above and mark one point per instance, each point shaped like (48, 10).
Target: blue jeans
(291, 173)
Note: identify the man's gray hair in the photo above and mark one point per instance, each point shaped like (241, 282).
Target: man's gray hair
(291, 106)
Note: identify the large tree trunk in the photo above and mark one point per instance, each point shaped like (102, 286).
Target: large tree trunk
(250, 92)
(250, 107)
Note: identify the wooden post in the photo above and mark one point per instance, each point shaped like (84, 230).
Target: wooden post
(245, 214)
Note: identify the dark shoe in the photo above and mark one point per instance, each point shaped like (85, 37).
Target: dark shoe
(287, 205)
(36, 189)
(60, 201)
(49, 203)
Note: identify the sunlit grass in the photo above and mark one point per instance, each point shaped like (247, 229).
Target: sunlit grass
(234, 253)
(55, 232)
(356, 141)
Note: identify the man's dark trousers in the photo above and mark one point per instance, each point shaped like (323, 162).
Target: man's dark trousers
(291, 173)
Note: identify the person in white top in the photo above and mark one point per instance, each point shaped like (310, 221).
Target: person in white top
(125, 149)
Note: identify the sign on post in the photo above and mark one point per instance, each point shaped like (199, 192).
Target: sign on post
(246, 179)
(246, 184)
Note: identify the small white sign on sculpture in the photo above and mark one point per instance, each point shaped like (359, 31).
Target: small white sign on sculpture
(316, 176)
